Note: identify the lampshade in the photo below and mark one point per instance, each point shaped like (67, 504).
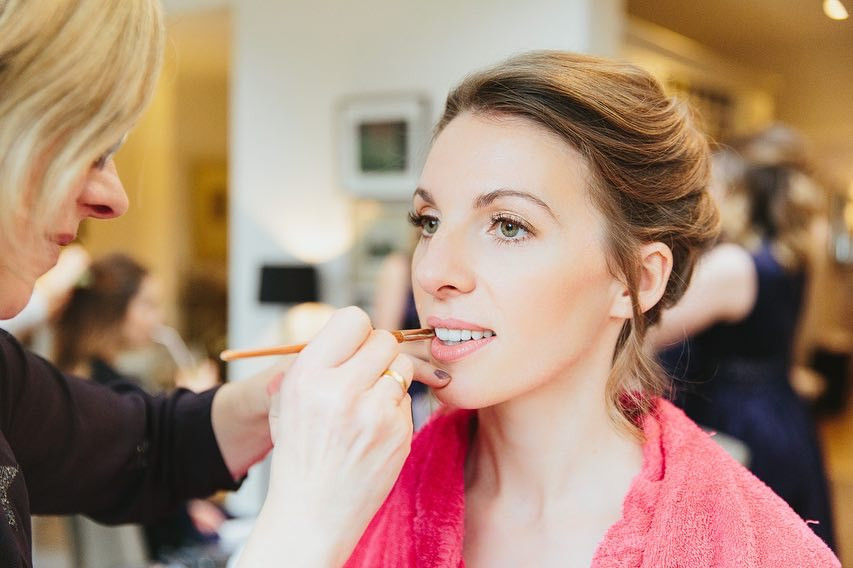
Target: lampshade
(289, 284)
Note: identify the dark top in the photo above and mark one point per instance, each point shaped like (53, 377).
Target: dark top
(105, 374)
(174, 531)
(735, 378)
(759, 347)
(72, 446)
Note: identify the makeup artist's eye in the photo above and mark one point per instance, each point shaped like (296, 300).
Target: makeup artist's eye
(426, 223)
(510, 228)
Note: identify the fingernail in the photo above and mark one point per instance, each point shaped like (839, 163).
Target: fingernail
(442, 375)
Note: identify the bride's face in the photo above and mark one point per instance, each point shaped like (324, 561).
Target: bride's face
(511, 267)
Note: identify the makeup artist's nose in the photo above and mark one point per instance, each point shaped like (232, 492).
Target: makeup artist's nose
(103, 195)
(443, 267)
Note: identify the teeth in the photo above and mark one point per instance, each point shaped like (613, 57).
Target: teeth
(457, 335)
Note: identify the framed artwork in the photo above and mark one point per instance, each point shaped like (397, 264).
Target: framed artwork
(382, 144)
(210, 210)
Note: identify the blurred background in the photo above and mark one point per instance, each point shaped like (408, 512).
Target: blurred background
(285, 140)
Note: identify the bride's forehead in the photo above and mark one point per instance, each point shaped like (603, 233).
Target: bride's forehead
(479, 159)
(495, 131)
(483, 144)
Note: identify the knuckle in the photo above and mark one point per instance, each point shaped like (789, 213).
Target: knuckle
(404, 365)
(356, 315)
(384, 339)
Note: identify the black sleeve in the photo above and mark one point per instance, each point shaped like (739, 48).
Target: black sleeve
(116, 457)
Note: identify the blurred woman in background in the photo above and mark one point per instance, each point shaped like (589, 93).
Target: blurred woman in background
(114, 307)
(739, 319)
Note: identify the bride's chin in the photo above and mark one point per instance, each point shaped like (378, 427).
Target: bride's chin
(457, 398)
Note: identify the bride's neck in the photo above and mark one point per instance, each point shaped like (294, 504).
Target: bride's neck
(552, 445)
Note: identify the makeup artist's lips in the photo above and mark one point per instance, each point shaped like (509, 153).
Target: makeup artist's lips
(444, 353)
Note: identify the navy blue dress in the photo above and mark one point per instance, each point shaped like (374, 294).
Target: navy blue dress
(735, 378)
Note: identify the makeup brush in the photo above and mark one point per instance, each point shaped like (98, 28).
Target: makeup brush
(402, 335)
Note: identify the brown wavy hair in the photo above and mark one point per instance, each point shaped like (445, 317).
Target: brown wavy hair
(781, 198)
(96, 309)
(650, 166)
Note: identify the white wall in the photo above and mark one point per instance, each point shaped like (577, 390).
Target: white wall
(293, 61)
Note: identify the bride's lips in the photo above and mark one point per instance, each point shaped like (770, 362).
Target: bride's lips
(444, 353)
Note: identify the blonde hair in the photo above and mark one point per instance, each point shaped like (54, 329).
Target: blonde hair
(75, 75)
(650, 166)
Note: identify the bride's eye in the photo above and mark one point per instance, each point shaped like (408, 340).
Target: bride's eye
(509, 228)
(426, 223)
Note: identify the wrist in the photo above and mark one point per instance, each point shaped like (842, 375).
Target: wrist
(240, 423)
(287, 534)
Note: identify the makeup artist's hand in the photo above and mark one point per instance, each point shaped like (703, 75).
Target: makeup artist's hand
(341, 432)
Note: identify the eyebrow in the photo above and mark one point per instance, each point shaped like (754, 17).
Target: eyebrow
(425, 195)
(486, 199)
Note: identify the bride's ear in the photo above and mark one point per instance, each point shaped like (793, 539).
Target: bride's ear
(656, 266)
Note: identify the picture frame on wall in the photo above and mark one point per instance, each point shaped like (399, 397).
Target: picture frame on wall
(210, 210)
(383, 141)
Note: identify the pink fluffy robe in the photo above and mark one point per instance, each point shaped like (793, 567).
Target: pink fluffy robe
(692, 505)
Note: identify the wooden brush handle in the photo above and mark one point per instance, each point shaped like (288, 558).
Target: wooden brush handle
(402, 335)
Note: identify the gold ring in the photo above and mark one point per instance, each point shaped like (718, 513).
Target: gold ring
(398, 378)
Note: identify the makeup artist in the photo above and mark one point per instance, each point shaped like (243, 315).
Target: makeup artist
(75, 75)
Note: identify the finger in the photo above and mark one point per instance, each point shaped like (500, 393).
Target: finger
(374, 356)
(273, 415)
(274, 384)
(428, 374)
(405, 409)
(342, 335)
(394, 382)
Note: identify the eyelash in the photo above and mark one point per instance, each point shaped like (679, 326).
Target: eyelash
(418, 220)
